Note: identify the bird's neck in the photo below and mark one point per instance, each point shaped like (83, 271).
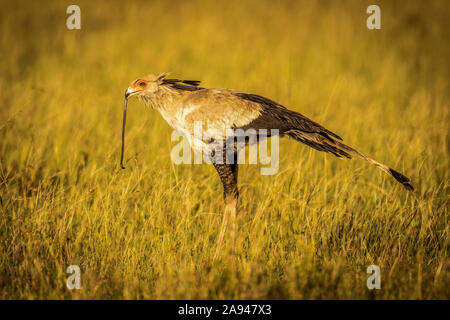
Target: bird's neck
(164, 99)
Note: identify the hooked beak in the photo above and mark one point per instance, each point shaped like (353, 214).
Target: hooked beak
(130, 92)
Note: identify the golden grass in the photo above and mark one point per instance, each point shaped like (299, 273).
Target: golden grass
(149, 231)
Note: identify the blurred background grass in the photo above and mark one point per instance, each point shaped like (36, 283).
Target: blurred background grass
(150, 231)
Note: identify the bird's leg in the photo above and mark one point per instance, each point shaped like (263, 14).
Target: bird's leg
(232, 202)
(228, 176)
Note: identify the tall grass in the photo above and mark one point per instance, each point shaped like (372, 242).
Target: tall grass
(149, 231)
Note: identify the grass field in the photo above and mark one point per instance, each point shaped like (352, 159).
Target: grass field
(308, 232)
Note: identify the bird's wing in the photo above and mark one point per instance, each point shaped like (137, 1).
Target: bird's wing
(218, 110)
(276, 116)
(227, 109)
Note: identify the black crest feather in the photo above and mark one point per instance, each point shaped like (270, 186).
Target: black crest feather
(188, 85)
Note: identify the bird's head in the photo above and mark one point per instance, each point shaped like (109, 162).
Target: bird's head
(142, 88)
(145, 86)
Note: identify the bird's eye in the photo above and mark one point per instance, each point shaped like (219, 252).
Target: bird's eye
(141, 84)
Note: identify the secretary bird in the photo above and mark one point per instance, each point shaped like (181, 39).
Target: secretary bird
(182, 103)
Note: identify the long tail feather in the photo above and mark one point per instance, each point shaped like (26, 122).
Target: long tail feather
(323, 142)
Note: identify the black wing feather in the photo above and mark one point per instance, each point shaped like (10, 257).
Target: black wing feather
(276, 116)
